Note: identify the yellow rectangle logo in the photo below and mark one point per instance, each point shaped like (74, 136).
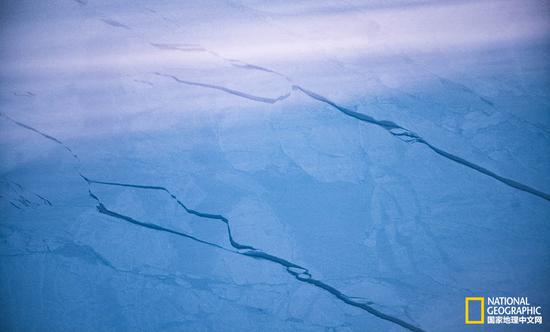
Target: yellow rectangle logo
(482, 308)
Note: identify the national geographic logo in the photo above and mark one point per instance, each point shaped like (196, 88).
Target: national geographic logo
(501, 310)
(469, 314)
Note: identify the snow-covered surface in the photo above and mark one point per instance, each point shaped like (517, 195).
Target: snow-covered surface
(271, 165)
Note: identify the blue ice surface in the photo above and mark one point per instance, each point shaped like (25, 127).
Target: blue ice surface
(271, 166)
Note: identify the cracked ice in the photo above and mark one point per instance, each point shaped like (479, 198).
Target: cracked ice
(279, 166)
